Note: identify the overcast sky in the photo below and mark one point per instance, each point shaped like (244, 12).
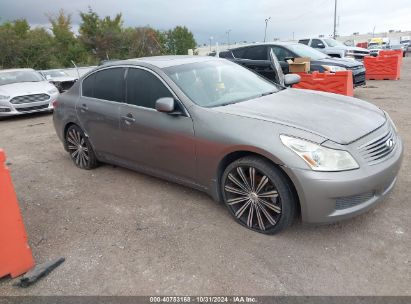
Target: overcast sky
(245, 18)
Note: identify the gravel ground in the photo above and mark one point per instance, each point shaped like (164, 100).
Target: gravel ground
(125, 233)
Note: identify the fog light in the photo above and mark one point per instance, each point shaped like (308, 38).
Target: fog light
(5, 110)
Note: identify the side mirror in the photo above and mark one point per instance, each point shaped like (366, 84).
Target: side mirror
(165, 104)
(289, 58)
(320, 46)
(291, 79)
(48, 77)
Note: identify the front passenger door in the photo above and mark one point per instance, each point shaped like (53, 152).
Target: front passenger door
(159, 142)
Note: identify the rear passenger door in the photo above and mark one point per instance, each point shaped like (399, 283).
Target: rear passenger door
(98, 108)
(159, 142)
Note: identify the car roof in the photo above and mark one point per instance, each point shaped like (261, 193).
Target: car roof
(15, 70)
(283, 43)
(166, 61)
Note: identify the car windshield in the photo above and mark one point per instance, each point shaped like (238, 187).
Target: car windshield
(332, 42)
(55, 74)
(302, 50)
(19, 76)
(219, 82)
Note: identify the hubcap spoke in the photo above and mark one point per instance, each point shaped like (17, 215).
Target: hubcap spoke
(237, 182)
(259, 218)
(252, 178)
(243, 177)
(236, 191)
(250, 216)
(270, 205)
(237, 200)
(268, 216)
(272, 193)
(263, 182)
(240, 211)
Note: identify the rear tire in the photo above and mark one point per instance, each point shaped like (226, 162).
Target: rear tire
(79, 147)
(258, 195)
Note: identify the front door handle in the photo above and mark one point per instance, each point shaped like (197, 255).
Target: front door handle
(83, 107)
(128, 119)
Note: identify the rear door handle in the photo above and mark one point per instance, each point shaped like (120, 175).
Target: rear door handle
(128, 119)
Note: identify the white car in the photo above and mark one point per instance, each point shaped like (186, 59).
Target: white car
(59, 78)
(25, 91)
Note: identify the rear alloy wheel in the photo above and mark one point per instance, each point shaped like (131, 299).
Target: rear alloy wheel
(258, 195)
(80, 149)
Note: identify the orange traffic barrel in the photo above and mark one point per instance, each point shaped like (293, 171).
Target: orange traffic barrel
(15, 253)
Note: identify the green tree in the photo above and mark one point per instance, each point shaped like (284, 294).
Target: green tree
(177, 41)
(66, 46)
(101, 36)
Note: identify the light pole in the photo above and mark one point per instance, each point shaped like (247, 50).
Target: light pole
(266, 22)
(335, 19)
(228, 38)
(211, 38)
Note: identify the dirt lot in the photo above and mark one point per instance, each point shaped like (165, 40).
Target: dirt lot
(124, 233)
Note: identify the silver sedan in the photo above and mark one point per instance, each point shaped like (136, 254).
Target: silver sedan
(268, 152)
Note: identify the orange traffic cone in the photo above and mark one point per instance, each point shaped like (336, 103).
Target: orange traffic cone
(15, 254)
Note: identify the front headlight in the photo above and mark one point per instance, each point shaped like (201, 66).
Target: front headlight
(320, 158)
(333, 68)
(53, 91)
(4, 97)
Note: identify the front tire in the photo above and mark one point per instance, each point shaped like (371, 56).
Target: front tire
(258, 195)
(80, 149)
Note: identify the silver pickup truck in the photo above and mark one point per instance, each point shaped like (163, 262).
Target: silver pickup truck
(334, 48)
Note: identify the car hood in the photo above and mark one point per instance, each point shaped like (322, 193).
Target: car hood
(26, 88)
(335, 117)
(342, 62)
(62, 78)
(350, 48)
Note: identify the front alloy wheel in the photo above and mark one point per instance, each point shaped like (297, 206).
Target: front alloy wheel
(258, 195)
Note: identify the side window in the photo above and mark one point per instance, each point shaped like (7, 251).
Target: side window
(88, 86)
(239, 53)
(109, 84)
(282, 53)
(256, 53)
(304, 41)
(144, 88)
(317, 43)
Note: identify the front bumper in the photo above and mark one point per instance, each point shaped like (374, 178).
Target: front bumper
(331, 196)
(358, 76)
(8, 109)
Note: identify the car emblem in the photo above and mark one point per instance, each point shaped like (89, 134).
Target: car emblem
(389, 143)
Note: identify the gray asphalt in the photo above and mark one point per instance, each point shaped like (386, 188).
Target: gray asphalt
(124, 233)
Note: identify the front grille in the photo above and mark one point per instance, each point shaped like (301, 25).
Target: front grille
(361, 52)
(28, 109)
(29, 98)
(351, 201)
(379, 148)
(359, 79)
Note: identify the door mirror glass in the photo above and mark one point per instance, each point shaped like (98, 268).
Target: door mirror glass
(291, 79)
(165, 104)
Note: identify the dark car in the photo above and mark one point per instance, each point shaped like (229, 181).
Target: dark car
(256, 57)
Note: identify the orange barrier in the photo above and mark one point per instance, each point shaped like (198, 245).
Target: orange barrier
(382, 67)
(398, 53)
(15, 254)
(339, 82)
